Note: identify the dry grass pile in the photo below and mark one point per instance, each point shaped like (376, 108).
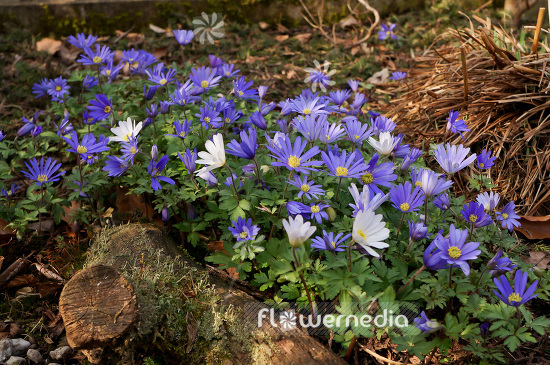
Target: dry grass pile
(503, 92)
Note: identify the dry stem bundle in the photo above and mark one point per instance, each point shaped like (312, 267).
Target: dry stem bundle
(504, 94)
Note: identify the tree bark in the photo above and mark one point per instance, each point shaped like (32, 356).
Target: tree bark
(139, 294)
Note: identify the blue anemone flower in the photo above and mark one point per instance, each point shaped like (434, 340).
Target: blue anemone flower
(245, 149)
(293, 157)
(43, 172)
(330, 242)
(244, 230)
(154, 169)
(518, 295)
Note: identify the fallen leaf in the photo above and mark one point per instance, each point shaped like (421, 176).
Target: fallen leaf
(304, 37)
(379, 78)
(534, 228)
(45, 226)
(67, 57)
(282, 29)
(48, 273)
(6, 233)
(12, 270)
(68, 212)
(131, 37)
(253, 59)
(291, 74)
(348, 21)
(49, 288)
(281, 37)
(263, 25)
(216, 246)
(25, 292)
(126, 204)
(160, 52)
(157, 29)
(48, 45)
(22, 280)
(355, 50)
(538, 258)
(1, 261)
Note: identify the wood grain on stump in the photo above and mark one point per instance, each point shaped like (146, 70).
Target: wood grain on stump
(98, 306)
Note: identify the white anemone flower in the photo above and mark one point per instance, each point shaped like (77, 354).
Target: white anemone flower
(215, 157)
(385, 144)
(369, 231)
(366, 199)
(298, 231)
(125, 130)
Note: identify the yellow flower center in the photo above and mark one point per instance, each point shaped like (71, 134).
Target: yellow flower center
(404, 207)
(304, 188)
(127, 137)
(97, 59)
(89, 120)
(514, 297)
(133, 150)
(482, 165)
(227, 73)
(241, 93)
(315, 209)
(388, 33)
(418, 183)
(207, 119)
(107, 109)
(227, 120)
(108, 72)
(122, 167)
(9, 193)
(504, 216)
(306, 111)
(182, 134)
(42, 178)
(362, 234)
(81, 149)
(367, 178)
(333, 244)
(454, 252)
(341, 171)
(58, 88)
(356, 137)
(472, 218)
(243, 234)
(293, 161)
(204, 84)
(162, 81)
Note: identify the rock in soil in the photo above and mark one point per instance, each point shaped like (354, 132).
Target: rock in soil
(6, 349)
(35, 356)
(16, 360)
(60, 353)
(20, 346)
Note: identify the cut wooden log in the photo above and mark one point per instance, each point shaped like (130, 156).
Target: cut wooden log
(139, 294)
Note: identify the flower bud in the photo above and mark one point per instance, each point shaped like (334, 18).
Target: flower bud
(165, 214)
(154, 152)
(331, 214)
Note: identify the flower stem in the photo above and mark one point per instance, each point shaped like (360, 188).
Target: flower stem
(426, 212)
(233, 181)
(519, 319)
(257, 170)
(399, 229)
(303, 283)
(338, 189)
(411, 279)
(349, 255)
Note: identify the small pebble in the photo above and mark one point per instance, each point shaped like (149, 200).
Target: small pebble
(20, 346)
(6, 349)
(35, 356)
(16, 360)
(60, 353)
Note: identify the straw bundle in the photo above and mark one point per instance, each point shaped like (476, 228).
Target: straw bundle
(503, 92)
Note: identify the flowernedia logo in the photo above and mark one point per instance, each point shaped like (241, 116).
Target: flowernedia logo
(208, 27)
(287, 320)
(364, 319)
